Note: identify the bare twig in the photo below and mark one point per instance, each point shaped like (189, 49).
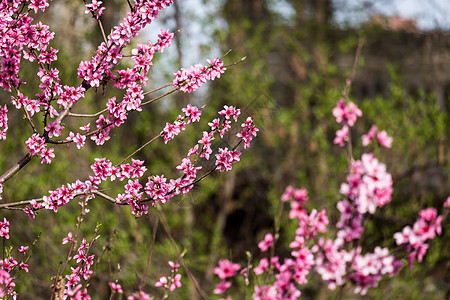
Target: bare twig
(175, 247)
(149, 256)
(139, 149)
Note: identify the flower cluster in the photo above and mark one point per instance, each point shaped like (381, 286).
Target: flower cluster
(94, 8)
(9, 267)
(3, 122)
(225, 269)
(170, 283)
(368, 186)
(191, 114)
(73, 286)
(413, 239)
(346, 115)
(188, 80)
(36, 145)
(108, 53)
(293, 270)
(364, 271)
(21, 38)
(4, 228)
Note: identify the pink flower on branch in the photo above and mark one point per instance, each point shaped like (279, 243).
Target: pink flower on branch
(4, 228)
(94, 8)
(266, 243)
(341, 136)
(188, 80)
(226, 269)
(346, 113)
(116, 287)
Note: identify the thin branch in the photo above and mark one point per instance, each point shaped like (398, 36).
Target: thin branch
(137, 150)
(155, 90)
(16, 168)
(346, 92)
(29, 120)
(149, 256)
(104, 196)
(157, 98)
(236, 62)
(183, 262)
(86, 115)
(102, 30)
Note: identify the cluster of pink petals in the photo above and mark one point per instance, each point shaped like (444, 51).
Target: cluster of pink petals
(225, 159)
(73, 286)
(117, 288)
(21, 38)
(94, 8)
(36, 145)
(171, 282)
(383, 138)
(368, 184)
(8, 265)
(248, 131)
(3, 122)
(6, 280)
(266, 243)
(108, 53)
(337, 265)
(191, 114)
(141, 295)
(4, 228)
(346, 115)
(447, 203)
(224, 270)
(341, 136)
(425, 228)
(188, 80)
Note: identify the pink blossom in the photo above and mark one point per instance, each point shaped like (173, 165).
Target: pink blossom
(79, 140)
(248, 132)
(226, 269)
(266, 243)
(116, 287)
(188, 80)
(192, 112)
(225, 158)
(384, 139)
(288, 193)
(262, 267)
(23, 249)
(222, 287)
(367, 138)
(161, 282)
(175, 283)
(141, 295)
(54, 128)
(47, 155)
(29, 211)
(3, 122)
(174, 266)
(341, 136)
(4, 228)
(67, 239)
(346, 113)
(447, 203)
